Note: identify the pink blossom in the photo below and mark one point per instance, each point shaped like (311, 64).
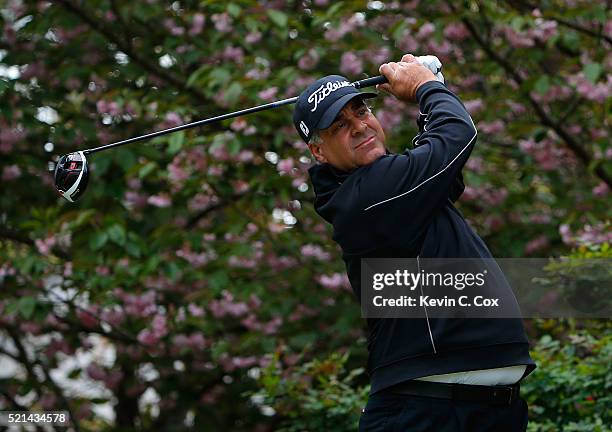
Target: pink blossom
(172, 119)
(491, 128)
(223, 22)
(350, 64)
(240, 186)
(542, 219)
(196, 259)
(474, 106)
(517, 40)
(220, 152)
(426, 30)
(543, 30)
(407, 42)
(114, 317)
(272, 326)
(34, 70)
(245, 156)
(176, 172)
(493, 222)
(197, 24)
(233, 54)
(10, 172)
(244, 362)
(253, 37)
(238, 124)
(9, 136)
(201, 201)
(281, 263)
(162, 200)
(300, 312)
(476, 164)
(566, 234)
(95, 372)
(44, 246)
(314, 251)
(159, 325)
(601, 190)
(268, 94)
(594, 234)
(195, 310)
(285, 166)
(456, 32)
(380, 55)
(137, 305)
(227, 306)
(147, 337)
(134, 200)
(309, 60)
(334, 282)
(87, 317)
(174, 29)
(536, 244)
(113, 379)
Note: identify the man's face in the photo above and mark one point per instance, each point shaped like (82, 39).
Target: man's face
(355, 138)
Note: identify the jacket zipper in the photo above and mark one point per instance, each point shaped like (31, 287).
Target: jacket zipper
(425, 307)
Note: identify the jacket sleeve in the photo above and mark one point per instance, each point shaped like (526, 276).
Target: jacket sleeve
(402, 192)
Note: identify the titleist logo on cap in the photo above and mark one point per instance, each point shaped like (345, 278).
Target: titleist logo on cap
(325, 90)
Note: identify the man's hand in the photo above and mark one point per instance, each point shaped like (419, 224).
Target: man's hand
(405, 78)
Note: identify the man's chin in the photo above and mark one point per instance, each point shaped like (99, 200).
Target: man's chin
(373, 155)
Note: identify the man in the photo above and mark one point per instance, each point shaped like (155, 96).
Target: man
(429, 374)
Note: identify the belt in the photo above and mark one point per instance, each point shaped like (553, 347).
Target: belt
(495, 395)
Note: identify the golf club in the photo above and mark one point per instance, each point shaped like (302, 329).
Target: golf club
(72, 172)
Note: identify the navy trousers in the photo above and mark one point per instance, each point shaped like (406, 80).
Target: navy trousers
(388, 412)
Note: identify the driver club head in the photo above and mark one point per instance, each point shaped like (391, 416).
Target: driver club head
(71, 175)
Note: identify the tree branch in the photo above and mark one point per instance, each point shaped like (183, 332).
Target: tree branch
(23, 356)
(111, 35)
(15, 236)
(545, 119)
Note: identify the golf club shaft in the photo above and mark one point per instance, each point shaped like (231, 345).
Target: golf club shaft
(368, 82)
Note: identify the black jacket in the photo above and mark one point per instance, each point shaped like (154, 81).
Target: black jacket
(401, 205)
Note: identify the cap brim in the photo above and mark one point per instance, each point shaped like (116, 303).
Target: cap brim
(330, 115)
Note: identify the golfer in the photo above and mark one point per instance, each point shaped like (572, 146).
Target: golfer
(430, 374)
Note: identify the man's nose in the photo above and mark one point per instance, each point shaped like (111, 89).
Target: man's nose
(359, 125)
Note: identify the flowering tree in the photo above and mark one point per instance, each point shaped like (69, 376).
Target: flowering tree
(195, 271)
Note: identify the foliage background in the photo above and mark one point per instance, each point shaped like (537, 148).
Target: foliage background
(194, 286)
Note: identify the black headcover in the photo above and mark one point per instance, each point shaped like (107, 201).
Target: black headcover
(71, 175)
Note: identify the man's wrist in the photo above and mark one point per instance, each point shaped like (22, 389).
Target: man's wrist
(422, 89)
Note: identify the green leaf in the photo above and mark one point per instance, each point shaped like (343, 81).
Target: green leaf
(26, 306)
(278, 18)
(147, 169)
(132, 249)
(175, 143)
(234, 10)
(98, 240)
(218, 77)
(542, 85)
(592, 71)
(232, 93)
(3, 86)
(334, 8)
(117, 234)
(196, 75)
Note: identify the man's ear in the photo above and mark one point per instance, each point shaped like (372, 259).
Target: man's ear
(317, 152)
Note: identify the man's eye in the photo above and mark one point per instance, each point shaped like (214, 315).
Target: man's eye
(362, 111)
(339, 126)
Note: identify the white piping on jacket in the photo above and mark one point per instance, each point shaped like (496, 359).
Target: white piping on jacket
(430, 178)
(425, 307)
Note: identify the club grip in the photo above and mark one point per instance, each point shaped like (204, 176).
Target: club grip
(369, 82)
